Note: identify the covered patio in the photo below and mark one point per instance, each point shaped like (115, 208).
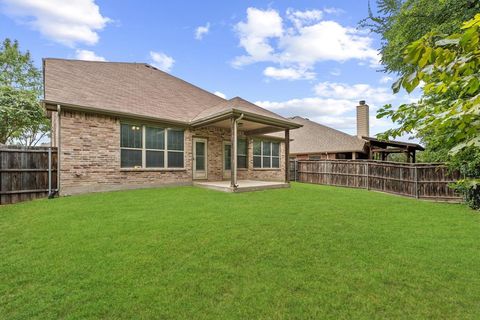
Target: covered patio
(380, 149)
(252, 123)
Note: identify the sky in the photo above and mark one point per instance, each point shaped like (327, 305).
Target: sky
(305, 58)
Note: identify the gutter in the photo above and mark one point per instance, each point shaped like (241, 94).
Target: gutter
(51, 105)
(248, 116)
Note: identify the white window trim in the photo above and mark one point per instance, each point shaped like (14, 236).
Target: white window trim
(144, 148)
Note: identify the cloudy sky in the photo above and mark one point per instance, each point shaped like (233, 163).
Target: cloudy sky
(302, 58)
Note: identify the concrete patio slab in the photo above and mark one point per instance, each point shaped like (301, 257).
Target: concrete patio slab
(242, 185)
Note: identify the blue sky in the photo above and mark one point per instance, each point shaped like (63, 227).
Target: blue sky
(293, 57)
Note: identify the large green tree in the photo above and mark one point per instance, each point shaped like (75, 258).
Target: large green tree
(448, 114)
(400, 22)
(22, 119)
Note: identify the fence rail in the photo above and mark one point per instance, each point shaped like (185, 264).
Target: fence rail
(419, 180)
(24, 173)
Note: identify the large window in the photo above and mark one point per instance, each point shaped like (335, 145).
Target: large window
(150, 147)
(242, 152)
(266, 154)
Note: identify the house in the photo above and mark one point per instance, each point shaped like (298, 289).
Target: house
(314, 141)
(130, 125)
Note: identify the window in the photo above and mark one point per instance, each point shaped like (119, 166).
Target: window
(266, 154)
(155, 147)
(175, 148)
(242, 152)
(131, 145)
(150, 147)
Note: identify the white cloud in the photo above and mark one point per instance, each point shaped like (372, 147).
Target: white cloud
(334, 105)
(333, 11)
(308, 40)
(356, 92)
(65, 22)
(220, 94)
(385, 79)
(301, 18)
(254, 34)
(201, 31)
(88, 55)
(326, 41)
(288, 73)
(161, 61)
(310, 107)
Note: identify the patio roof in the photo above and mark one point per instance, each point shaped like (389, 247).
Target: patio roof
(390, 143)
(237, 106)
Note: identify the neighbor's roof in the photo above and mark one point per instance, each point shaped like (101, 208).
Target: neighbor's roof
(392, 143)
(135, 89)
(316, 138)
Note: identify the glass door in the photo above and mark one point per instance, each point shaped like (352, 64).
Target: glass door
(199, 158)
(227, 159)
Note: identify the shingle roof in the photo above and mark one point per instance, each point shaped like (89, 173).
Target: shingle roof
(133, 88)
(239, 104)
(316, 138)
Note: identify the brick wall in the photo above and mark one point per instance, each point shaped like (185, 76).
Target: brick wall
(90, 157)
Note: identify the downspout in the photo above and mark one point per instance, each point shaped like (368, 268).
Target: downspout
(57, 190)
(234, 149)
(50, 194)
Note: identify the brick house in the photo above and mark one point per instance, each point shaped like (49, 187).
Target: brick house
(130, 125)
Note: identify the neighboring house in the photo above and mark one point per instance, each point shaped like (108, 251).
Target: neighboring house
(314, 141)
(130, 125)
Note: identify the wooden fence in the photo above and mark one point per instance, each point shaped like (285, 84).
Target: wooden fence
(418, 180)
(24, 173)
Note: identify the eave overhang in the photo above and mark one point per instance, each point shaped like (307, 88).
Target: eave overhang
(228, 114)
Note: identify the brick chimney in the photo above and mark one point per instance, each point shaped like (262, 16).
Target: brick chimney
(363, 122)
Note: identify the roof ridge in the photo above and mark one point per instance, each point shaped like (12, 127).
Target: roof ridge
(139, 63)
(95, 61)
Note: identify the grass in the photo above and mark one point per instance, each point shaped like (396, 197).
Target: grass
(309, 252)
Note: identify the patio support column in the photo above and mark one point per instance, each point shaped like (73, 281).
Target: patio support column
(287, 155)
(233, 169)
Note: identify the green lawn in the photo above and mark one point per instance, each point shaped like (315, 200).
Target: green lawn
(309, 252)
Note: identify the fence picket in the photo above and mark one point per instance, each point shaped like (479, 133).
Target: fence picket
(418, 180)
(24, 173)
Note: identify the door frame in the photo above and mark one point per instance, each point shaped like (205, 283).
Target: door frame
(194, 160)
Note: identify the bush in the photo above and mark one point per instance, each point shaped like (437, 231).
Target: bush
(467, 162)
(470, 189)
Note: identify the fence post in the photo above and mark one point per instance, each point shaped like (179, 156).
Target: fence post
(368, 176)
(416, 182)
(295, 168)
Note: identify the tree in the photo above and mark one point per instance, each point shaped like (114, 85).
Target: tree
(22, 118)
(400, 22)
(448, 114)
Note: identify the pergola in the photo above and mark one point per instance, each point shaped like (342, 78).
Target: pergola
(382, 148)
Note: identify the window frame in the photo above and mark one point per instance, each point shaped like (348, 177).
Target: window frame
(229, 143)
(144, 149)
(167, 150)
(270, 156)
